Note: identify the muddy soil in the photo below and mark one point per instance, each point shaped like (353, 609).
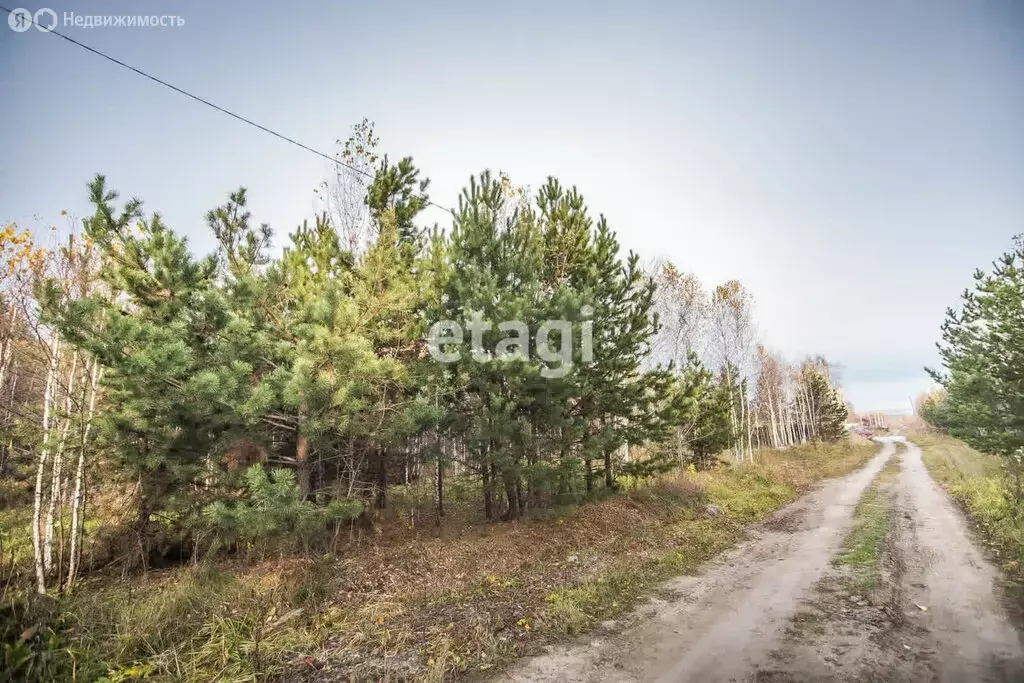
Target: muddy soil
(775, 609)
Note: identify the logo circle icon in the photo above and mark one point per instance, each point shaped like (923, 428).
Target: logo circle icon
(41, 20)
(20, 19)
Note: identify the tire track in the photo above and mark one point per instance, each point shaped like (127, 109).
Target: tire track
(720, 625)
(935, 616)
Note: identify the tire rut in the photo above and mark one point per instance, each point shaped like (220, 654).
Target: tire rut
(965, 624)
(937, 615)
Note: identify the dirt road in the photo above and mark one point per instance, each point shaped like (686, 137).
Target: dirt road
(935, 616)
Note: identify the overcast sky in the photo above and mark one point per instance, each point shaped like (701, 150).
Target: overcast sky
(850, 162)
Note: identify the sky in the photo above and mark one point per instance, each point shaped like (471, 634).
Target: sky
(851, 163)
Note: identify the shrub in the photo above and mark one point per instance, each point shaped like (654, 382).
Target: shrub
(274, 515)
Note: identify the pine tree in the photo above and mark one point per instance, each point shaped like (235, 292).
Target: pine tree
(551, 418)
(494, 263)
(714, 430)
(153, 328)
(826, 409)
(982, 351)
(274, 513)
(323, 358)
(391, 283)
(832, 411)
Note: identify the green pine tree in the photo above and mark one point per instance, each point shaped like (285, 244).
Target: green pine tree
(982, 351)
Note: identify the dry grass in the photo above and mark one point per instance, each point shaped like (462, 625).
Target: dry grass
(425, 603)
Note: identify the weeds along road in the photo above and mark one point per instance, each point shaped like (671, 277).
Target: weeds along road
(924, 608)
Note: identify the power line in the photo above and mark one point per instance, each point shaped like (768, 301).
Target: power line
(210, 104)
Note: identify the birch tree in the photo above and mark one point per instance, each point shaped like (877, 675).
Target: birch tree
(78, 497)
(342, 196)
(732, 338)
(57, 469)
(44, 455)
(682, 306)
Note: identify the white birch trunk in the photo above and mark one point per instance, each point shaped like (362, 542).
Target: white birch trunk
(44, 454)
(798, 407)
(771, 416)
(732, 416)
(750, 435)
(790, 421)
(800, 416)
(811, 432)
(812, 412)
(787, 436)
(743, 427)
(78, 499)
(57, 478)
(790, 427)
